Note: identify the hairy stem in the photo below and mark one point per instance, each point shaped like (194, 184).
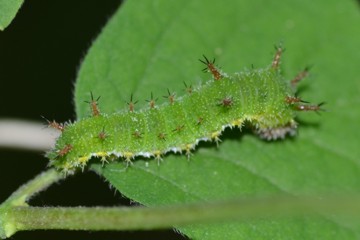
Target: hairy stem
(39, 183)
(142, 218)
(16, 215)
(9, 221)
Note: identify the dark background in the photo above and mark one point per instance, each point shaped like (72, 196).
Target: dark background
(40, 53)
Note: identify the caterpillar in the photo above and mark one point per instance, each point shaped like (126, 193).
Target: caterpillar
(260, 98)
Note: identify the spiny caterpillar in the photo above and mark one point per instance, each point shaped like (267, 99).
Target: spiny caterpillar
(258, 97)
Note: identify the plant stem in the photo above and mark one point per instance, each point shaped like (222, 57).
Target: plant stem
(142, 218)
(15, 215)
(39, 183)
(19, 198)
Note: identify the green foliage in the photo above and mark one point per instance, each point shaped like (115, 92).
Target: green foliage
(149, 46)
(8, 10)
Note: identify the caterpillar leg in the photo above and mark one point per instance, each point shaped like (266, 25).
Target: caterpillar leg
(274, 133)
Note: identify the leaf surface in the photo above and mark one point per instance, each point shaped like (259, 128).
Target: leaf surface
(149, 46)
(8, 10)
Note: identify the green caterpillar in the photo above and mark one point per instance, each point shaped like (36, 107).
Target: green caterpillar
(259, 97)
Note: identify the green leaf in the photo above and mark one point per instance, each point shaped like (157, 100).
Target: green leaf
(149, 46)
(8, 10)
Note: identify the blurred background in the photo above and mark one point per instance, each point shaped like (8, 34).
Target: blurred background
(40, 53)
